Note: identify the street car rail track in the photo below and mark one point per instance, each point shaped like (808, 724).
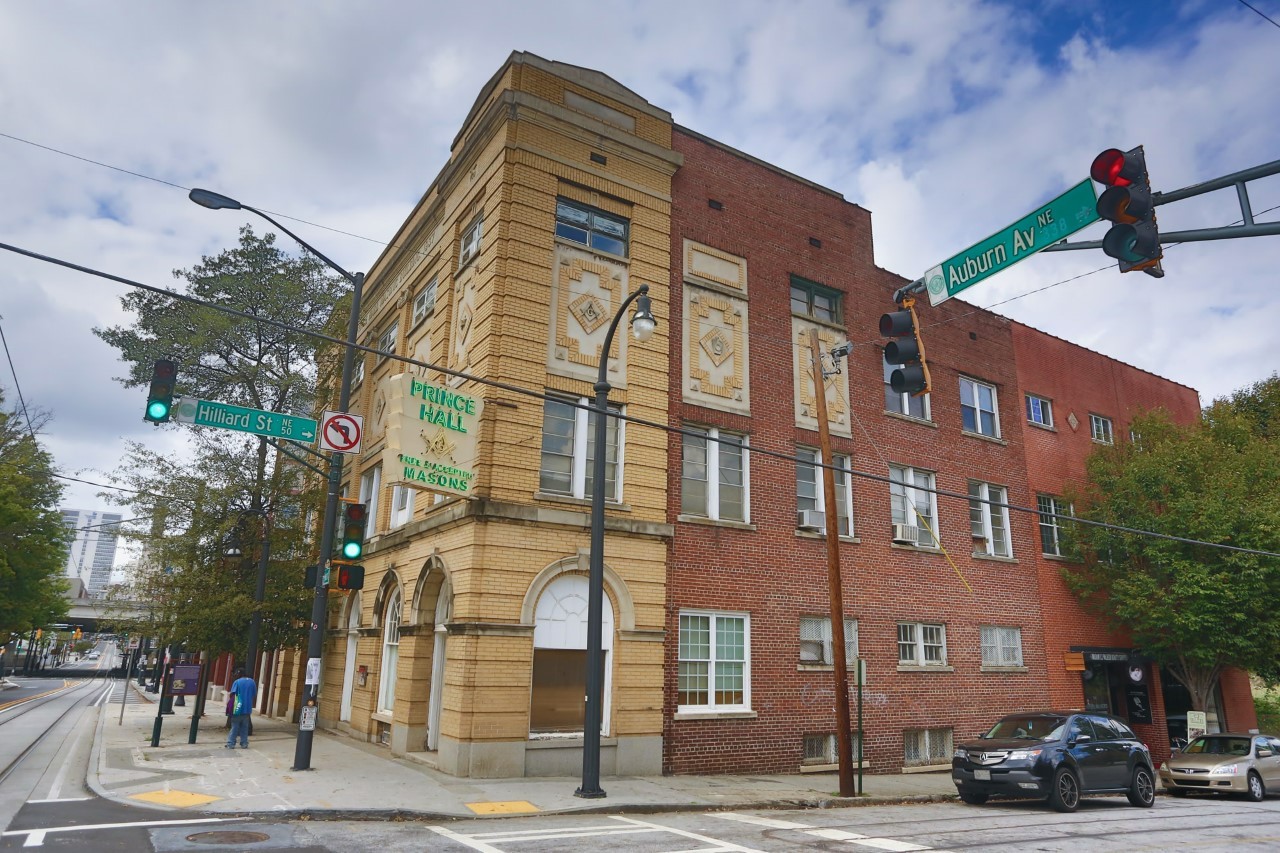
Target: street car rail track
(24, 706)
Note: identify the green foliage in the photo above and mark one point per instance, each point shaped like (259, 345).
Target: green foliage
(1194, 608)
(33, 539)
(192, 505)
(1268, 707)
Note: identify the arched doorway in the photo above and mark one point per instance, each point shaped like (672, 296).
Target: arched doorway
(349, 668)
(560, 657)
(444, 612)
(390, 651)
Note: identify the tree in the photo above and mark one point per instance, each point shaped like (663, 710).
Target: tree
(33, 539)
(1193, 608)
(189, 507)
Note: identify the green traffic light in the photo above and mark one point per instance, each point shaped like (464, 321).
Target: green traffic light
(351, 550)
(157, 410)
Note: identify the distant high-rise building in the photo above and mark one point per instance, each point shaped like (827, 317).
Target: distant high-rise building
(93, 552)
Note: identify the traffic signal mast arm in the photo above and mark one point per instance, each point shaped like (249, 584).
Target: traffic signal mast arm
(1249, 228)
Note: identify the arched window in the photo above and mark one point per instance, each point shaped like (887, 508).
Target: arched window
(390, 652)
(560, 656)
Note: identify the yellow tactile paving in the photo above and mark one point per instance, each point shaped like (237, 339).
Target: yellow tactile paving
(511, 807)
(177, 799)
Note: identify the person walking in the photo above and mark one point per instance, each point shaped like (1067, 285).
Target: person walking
(243, 691)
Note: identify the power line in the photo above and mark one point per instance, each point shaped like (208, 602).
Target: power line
(1264, 17)
(17, 387)
(526, 392)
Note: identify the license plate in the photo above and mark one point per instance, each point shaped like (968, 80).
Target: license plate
(982, 775)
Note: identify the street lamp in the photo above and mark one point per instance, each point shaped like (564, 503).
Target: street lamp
(319, 604)
(642, 326)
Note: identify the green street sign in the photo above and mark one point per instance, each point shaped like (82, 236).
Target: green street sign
(191, 410)
(1040, 228)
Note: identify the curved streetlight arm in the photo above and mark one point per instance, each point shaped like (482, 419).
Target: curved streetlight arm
(217, 201)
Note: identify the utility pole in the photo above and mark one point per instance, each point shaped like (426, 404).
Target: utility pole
(839, 665)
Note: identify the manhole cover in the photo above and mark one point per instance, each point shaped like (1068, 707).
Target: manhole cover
(228, 836)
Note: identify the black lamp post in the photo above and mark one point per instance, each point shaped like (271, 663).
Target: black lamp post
(319, 604)
(642, 326)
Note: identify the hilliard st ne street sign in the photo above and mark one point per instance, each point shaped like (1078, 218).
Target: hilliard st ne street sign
(191, 410)
(1040, 228)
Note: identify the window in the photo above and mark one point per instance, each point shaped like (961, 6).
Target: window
(425, 302)
(591, 227)
(568, 451)
(560, 657)
(357, 369)
(903, 404)
(713, 667)
(370, 485)
(926, 746)
(714, 475)
(387, 341)
(390, 652)
(990, 521)
(1100, 429)
(1039, 411)
(921, 645)
(815, 641)
(469, 245)
(1051, 527)
(401, 505)
(820, 750)
(1001, 646)
(913, 508)
(810, 494)
(978, 408)
(813, 300)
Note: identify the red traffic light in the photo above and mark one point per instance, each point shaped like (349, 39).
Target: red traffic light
(355, 512)
(350, 577)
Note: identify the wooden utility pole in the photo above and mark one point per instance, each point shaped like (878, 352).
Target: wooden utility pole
(839, 667)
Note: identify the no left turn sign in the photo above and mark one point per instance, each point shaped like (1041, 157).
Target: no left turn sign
(340, 432)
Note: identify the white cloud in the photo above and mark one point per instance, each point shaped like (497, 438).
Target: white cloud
(948, 120)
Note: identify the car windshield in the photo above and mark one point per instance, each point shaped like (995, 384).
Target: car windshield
(1218, 746)
(1026, 727)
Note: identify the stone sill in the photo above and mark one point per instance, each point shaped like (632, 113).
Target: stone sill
(1005, 669)
(991, 438)
(715, 715)
(926, 768)
(902, 667)
(715, 522)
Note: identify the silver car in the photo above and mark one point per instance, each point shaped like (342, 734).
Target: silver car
(1225, 763)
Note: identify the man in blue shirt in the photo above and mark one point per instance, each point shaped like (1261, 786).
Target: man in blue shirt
(240, 703)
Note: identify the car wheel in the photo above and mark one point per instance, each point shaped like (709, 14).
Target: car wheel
(973, 798)
(1064, 796)
(1142, 790)
(1256, 791)
(1175, 792)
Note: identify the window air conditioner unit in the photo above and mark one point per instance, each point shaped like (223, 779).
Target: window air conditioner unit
(905, 534)
(811, 519)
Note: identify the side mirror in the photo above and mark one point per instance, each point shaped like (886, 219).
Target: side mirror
(1265, 753)
(1081, 739)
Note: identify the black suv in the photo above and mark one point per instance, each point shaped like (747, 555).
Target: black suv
(1059, 755)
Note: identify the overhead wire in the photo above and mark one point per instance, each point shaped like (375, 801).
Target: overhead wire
(543, 396)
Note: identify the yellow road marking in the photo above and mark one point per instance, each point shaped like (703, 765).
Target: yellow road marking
(177, 799)
(65, 684)
(511, 807)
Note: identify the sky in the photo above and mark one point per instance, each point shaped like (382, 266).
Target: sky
(947, 119)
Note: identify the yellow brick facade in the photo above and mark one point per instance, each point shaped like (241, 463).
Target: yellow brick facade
(537, 132)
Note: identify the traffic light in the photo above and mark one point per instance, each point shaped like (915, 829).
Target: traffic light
(160, 396)
(349, 577)
(906, 349)
(354, 517)
(1134, 239)
(309, 579)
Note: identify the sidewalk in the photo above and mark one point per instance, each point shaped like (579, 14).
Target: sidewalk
(355, 780)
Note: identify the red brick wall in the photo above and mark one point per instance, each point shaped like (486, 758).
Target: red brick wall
(776, 575)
